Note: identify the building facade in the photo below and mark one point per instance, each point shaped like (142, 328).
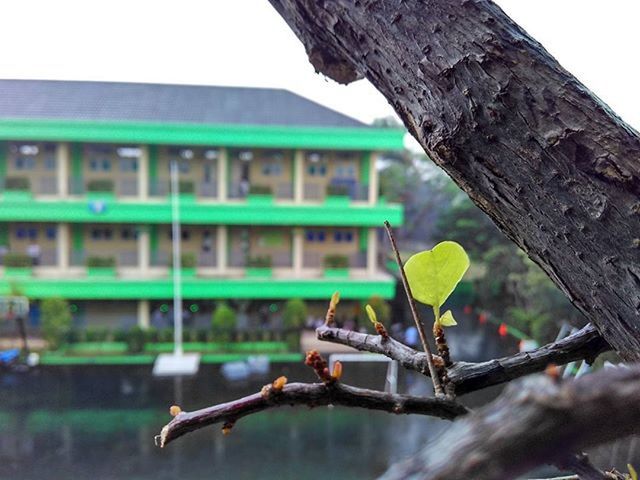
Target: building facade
(278, 199)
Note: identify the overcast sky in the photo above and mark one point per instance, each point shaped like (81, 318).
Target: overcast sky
(244, 42)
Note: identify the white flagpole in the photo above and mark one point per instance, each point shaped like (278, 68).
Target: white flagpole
(177, 280)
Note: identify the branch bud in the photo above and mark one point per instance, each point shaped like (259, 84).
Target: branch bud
(279, 383)
(337, 371)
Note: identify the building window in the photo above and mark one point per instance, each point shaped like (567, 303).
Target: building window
(337, 236)
(128, 165)
(25, 163)
(345, 171)
(50, 163)
(21, 233)
(272, 168)
(185, 235)
(33, 233)
(100, 164)
(50, 233)
(309, 235)
(102, 233)
(319, 170)
(348, 237)
(128, 233)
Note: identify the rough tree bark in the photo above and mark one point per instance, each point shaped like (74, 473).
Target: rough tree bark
(535, 421)
(554, 168)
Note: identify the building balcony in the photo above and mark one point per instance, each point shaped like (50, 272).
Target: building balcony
(44, 284)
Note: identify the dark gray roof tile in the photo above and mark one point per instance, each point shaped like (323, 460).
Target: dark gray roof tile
(111, 101)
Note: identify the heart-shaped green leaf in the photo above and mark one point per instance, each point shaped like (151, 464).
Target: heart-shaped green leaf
(434, 274)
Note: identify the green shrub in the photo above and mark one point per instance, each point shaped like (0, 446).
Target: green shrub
(17, 260)
(56, 321)
(165, 335)
(100, 185)
(186, 186)
(294, 314)
(338, 190)
(72, 336)
(101, 262)
(259, 261)
(202, 335)
(151, 335)
(260, 190)
(223, 321)
(120, 335)
(17, 183)
(136, 339)
(187, 260)
(96, 334)
(336, 261)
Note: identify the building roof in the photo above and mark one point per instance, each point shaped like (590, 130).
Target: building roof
(175, 104)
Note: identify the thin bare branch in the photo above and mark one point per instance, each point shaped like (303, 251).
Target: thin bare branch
(536, 421)
(433, 373)
(311, 395)
(467, 377)
(584, 469)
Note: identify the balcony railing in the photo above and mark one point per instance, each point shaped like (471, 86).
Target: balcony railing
(316, 259)
(162, 258)
(207, 190)
(127, 187)
(127, 258)
(47, 186)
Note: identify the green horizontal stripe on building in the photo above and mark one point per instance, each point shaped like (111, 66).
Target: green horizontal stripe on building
(198, 288)
(53, 359)
(347, 138)
(192, 212)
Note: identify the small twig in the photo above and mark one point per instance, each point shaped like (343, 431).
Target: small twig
(311, 395)
(437, 386)
(584, 469)
(469, 377)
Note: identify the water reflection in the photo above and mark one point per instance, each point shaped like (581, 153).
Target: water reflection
(99, 423)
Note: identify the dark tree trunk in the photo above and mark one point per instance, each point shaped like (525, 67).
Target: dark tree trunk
(551, 164)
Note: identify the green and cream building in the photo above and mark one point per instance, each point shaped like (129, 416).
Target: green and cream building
(271, 185)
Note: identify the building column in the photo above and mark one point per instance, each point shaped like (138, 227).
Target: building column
(62, 168)
(144, 248)
(298, 172)
(298, 254)
(143, 173)
(222, 174)
(62, 246)
(373, 179)
(143, 314)
(221, 248)
(372, 252)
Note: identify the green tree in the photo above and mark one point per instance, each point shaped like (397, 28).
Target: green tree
(294, 316)
(295, 313)
(224, 321)
(56, 321)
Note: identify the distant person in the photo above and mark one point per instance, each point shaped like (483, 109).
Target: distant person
(411, 336)
(34, 252)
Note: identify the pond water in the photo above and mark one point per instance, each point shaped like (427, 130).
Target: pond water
(98, 423)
